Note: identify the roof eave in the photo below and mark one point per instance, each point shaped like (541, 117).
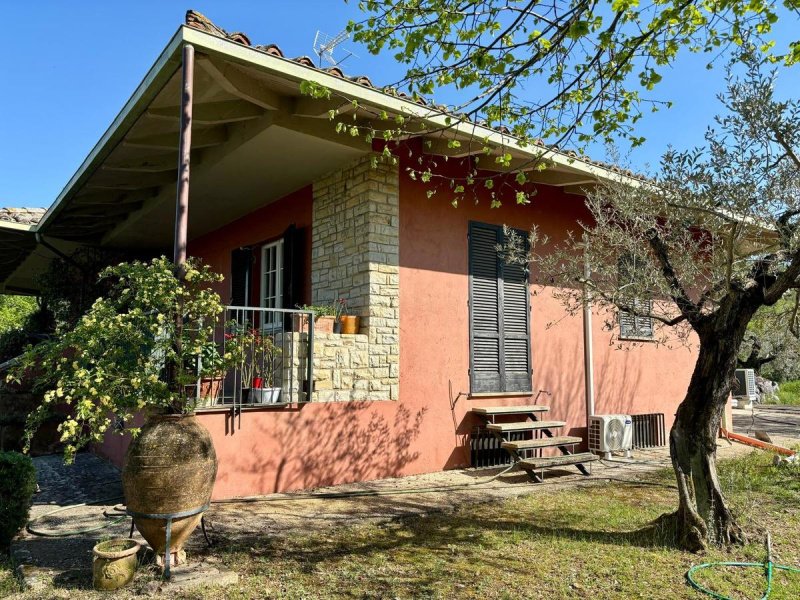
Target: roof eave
(169, 61)
(377, 98)
(19, 227)
(163, 68)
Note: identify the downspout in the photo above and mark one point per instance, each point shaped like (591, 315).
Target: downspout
(588, 354)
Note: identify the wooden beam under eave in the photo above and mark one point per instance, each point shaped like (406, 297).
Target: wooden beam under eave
(580, 190)
(100, 212)
(237, 135)
(320, 108)
(144, 165)
(240, 83)
(323, 129)
(211, 113)
(560, 178)
(202, 138)
(441, 146)
(82, 230)
(517, 164)
(129, 180)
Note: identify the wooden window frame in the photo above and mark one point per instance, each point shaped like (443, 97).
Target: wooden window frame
(277, 293)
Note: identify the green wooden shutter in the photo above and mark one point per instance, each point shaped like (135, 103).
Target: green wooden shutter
(516, 328)
(293, 270)
(241, 276)
(499, 316)
(293, 267)
(484, 296)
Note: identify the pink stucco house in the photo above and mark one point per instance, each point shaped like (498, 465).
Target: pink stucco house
(293, 212)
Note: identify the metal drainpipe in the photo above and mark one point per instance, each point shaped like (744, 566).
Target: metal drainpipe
(588, 358)
(184, 156)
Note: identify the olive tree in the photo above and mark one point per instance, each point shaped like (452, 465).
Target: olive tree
(699, 249)
(559, 70)
(770, 347)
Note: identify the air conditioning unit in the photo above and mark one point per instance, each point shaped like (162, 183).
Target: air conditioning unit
(610, 433)
(745, 390)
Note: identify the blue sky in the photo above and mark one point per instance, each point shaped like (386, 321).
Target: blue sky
(66, 76)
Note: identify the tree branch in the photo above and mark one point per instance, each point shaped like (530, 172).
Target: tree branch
(677, 292)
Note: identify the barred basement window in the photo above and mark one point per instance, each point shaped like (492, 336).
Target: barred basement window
(500, 354)
(635, 324)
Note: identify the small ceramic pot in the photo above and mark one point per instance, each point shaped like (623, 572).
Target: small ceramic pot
(350, 324)
(114, 563)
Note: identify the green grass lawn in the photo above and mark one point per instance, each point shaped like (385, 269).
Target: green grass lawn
(788, 393)
(592, 541)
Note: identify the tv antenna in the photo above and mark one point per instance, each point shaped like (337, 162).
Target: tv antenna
(325, 46)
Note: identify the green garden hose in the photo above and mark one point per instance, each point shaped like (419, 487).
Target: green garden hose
(112, 520)
(769, 570)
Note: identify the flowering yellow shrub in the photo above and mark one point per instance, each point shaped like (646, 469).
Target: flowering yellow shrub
(136, 349)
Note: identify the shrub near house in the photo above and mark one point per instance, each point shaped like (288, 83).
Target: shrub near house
(17, 484)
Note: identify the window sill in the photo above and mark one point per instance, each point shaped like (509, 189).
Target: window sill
(634, 338)
(478, 395)
(248, 407)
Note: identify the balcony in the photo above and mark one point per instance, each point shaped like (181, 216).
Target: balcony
(272, 351)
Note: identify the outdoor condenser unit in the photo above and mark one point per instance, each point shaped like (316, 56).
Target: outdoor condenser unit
(610, 433)
(745, 391)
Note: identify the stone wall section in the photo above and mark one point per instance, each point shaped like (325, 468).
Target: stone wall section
(355, 255)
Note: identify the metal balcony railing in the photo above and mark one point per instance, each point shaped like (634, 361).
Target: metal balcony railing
(271, 351)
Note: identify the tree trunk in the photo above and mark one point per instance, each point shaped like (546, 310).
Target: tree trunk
(703, 516)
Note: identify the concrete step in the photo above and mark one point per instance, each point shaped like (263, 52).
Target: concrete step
(545, 442)
(510, 410)
(545, 462)
(525, 426)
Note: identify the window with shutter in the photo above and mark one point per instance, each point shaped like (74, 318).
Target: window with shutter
(636, 324)
(500, 358)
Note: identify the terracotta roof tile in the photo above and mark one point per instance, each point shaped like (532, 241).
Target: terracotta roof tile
(24, 216)
(306, 61)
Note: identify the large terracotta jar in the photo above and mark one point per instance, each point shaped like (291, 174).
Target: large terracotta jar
(170, 468)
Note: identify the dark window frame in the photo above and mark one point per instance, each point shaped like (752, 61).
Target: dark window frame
(505, 381)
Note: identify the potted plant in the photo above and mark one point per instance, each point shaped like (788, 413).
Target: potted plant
(324, 318)
(265, 386)
(338, 307)
(349, 323)
(208, 387)
(256, 356)
(134, 353)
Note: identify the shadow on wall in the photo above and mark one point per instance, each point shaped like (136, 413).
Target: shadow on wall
(324, 444)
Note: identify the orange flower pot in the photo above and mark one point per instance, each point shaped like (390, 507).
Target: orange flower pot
(350, 324)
